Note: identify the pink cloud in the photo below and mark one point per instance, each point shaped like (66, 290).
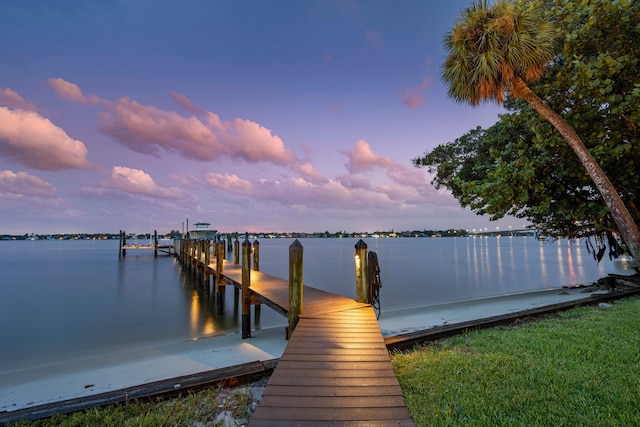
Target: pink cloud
(408, 176)
(24, 184)
(186, 103)
(36, 142)
(229, 182)
(136, 181)
(11, 98)
(71, 92)
(362, 158)
(299, 194)
(307, 170)
(414, 96)
(355, 182)
(148, 129)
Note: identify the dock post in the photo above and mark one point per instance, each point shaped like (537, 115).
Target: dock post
(256, 255)
(295, 285)
(246, 291)
(191, 255)
(207, 260)
(361, 272)
(155, 243)
(120, 247)
(236, 251)
(220, 288)
(256, 266)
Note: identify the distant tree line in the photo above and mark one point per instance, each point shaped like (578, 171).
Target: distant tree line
(174, 234)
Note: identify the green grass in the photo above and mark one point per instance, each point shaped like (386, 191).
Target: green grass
(579, 368)
(199, 408)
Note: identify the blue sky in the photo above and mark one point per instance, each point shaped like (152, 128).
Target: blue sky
(251, 115)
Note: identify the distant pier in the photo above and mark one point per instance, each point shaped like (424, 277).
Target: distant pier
(124, 247)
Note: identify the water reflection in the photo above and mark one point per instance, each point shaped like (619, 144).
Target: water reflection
(418, 272)
(202, 321)
(83, 298)
(572, 273)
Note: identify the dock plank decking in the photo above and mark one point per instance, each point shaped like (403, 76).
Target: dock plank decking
(335, 370)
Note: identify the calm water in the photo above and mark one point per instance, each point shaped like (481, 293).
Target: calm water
(70, 299)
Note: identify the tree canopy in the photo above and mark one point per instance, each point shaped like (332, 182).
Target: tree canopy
(521, 166)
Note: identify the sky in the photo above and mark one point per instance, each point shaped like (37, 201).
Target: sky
(143, 115)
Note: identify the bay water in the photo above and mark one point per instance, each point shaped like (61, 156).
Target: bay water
(61, 300)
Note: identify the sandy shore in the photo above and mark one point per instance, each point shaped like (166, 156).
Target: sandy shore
(34, 386)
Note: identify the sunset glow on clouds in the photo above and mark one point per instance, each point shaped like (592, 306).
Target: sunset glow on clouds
(22, 183)
(35, 142)
(301, 129)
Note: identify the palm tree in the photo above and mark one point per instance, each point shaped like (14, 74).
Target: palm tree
(493, 51)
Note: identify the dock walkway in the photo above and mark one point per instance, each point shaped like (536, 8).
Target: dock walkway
(335, 370)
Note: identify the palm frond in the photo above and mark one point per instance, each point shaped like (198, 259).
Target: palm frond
(491, 46)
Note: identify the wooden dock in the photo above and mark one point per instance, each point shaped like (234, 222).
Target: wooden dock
(155, 246)
(335, 370)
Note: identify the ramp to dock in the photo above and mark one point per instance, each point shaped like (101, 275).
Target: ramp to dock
(335, 370)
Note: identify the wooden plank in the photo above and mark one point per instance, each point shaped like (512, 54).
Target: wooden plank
(329, 357)
(320, 365)
(332, 381)
(293, 349)
(331, 414)
(292, 372)
(288, 390)
(333, 401)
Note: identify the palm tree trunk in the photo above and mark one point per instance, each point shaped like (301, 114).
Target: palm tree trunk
(626, 225)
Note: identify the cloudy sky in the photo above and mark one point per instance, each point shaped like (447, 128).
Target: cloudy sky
(251, 115)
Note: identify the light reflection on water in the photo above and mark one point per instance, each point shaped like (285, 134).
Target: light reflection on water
(67, 299)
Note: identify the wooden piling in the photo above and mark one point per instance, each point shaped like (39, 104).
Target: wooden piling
(123, 241)
(361, 272)
(155, 243)
(256, 266)
(246, 291)
(256, 255)
(220, 288)
(207, 261)
(236, 251)
(295, 285)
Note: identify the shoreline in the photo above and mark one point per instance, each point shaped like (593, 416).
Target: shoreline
(23, 390)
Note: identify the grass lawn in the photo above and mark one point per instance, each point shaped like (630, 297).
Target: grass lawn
(578, 368)
(203, 408)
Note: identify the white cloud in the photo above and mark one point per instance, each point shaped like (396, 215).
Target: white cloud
(147, 129)
(71, 91)
(136, 181)
(24, 184)
(11, 98)
(36, 142)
